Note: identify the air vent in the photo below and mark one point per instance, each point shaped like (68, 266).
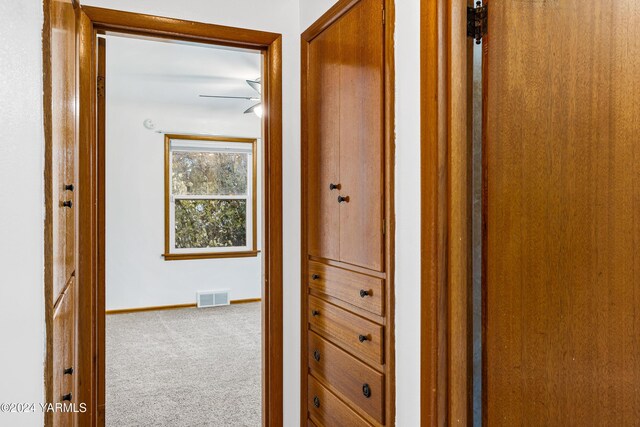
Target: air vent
(212, 298)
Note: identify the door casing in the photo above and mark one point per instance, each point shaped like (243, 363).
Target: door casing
(91, 197)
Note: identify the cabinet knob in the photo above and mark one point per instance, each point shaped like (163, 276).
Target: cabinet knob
(316, 401)
(69, 187)
(68, 371)
(366, 390)
(315, 276)
(364, 293)
(334, 186)
(342, 199)
(362, 338)
(316, 355)
(67, 397)
(67, 204)
(315, 313)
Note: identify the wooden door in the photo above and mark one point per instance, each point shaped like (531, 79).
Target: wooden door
(361, 135)
(323, 127)
(63, 357)
(63, 141)
(562, 213)
(345, 123)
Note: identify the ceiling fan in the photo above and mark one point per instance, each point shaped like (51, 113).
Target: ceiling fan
(256, 108)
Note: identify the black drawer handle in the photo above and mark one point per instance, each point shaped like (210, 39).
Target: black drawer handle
(343, 199)
(67, 397)
(364, 293)
(316, 355)
(366, 390)
(334, 186)
(69, 187)
(67, 204)
(68, 371)
(315, 313)
(315, 276)
(316, 401)
(362, 338)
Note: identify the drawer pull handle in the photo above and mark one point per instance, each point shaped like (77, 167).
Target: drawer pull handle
(334, 186)
(316, 355)
(366, 390)
(67, 397)
(69, 187)
(343, 199)
(67, 204)
(315, 313)
(315, 276)
(68, 371)
(364, 293)
(316, 401)
(362, 338)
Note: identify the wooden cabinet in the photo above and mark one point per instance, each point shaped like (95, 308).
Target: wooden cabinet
(63, 356)
(61, 87)
(348, 374)
(345, 169)
(63, 142)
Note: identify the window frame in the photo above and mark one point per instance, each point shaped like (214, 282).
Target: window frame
(250, 250)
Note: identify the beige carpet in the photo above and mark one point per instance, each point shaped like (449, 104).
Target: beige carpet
(187, 367)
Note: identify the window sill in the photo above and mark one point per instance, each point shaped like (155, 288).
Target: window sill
(243, 254)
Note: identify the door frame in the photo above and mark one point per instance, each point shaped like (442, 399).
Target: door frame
(446, 119)
(91, 197)
(339, 9)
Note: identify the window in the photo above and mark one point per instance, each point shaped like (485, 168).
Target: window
(210, 203)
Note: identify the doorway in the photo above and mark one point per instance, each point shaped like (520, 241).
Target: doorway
(93, 195)
(183, 231)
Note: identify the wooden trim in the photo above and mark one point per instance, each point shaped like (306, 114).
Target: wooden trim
(175, 306)
(329, 17)
(178, 29)
(152, 308)
(168, 256)
(202, 255)
(48, 191)
(245, 301)
(333, 14)
(91, 198)
(445, 224)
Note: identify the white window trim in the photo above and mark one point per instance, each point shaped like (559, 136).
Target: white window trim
(214, 146)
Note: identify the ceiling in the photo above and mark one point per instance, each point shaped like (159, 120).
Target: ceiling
(169, 72)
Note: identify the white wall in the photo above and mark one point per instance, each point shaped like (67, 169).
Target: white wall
(279, 16)
(407, 277)
(22, 213)
(137, 275)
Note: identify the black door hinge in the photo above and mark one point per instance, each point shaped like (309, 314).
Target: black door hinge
(477, 22)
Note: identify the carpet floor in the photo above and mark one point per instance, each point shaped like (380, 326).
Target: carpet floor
(186, 367)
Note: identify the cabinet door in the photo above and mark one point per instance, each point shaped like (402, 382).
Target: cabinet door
(64, 355)
(63, 137)
(323, 127)
(361, 135)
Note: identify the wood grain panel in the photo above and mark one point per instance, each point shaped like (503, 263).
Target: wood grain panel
(562, 212)
(345, 329)
(323, 131)
(63, 355)
(361, 135)
(326, 410)
(63, 137)
(347, 376)
(347, 286)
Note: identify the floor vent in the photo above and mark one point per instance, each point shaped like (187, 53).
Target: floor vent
(212, 298)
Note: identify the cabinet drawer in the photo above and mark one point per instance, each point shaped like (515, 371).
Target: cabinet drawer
(362, 291)
(356, 381)
(358, 336)
(327, 410)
